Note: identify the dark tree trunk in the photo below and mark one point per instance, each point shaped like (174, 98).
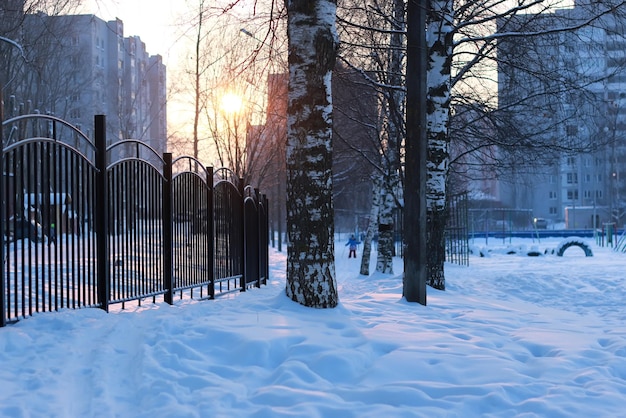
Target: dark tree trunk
(436, 254)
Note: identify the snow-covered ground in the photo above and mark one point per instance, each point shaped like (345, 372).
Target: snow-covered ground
(511, 336)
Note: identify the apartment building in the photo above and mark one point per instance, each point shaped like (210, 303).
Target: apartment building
(580, 178)
(80, 65)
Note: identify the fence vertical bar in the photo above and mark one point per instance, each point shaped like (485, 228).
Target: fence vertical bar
(167, 229)
(265, 239)
(2, 214)
(101, 213)
(259, 228)
(242, 236)
(211, 233)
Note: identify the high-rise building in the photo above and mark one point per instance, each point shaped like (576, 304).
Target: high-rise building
(566, 92)
(79, 66)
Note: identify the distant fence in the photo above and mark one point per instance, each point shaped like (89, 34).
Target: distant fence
(86, 225)
(456, 233)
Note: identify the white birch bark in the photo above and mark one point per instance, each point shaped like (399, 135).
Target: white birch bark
(439, 39)
(384, 260)
(371, 227)
(394, 133)
(312, 52)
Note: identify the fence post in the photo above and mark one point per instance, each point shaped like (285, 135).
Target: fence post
(2, 214)
(211, 232)
(242, 237)
(259, 233)
(167, 229)
(102, 213)
(265, 238)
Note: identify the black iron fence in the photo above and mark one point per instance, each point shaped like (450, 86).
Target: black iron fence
(456, 233)
(86, 225)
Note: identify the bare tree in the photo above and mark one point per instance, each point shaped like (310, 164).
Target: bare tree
(371, 227)
(37, 74)
(374, 45)
(463, 37)
(496, 133)
(394, 133)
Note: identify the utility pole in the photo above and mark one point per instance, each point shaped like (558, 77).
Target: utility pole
(414, 286)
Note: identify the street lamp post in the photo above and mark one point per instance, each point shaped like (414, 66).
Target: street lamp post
(2, 85)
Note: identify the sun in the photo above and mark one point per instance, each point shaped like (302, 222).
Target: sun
(231, 103)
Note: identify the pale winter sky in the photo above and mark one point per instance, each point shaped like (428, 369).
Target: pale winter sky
(161, 24)
(167, 29)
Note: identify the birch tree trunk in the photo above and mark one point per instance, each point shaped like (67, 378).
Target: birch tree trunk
(371, 227)
(312, 52)
(439, 39)
(384, 260)
(394, 135)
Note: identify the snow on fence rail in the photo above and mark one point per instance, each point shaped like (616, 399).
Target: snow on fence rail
(86, 225)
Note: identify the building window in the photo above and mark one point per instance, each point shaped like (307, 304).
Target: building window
(572, 178)
(553, 195)
(587, 194)
(552, 210)
(552, 179)
(572, 130)
(571, 161)
(572, 195)
(598, 194)
(587, 178)
(598, 178)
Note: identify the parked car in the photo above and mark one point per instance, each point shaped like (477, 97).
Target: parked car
(540, 223)
(20, 228)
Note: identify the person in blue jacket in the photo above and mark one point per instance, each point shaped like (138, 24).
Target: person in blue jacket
(352, 242)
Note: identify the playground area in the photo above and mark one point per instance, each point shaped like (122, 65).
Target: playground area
(564, 243)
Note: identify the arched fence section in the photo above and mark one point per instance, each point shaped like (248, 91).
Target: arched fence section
(47, 217)
(135, 187)
(192, 207)
(228, 201)
(86, 225)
